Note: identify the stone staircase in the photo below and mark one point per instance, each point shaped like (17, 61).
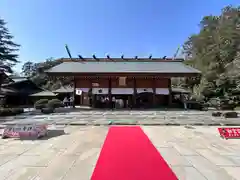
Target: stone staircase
(126, 117)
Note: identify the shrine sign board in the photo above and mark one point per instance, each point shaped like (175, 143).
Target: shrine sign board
(78, 91)
(25, 130)
(229, 133)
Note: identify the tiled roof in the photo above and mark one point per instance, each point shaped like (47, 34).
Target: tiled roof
(19, 79)
(123, 67)
(7, 91)
(45, 93)
(64, 89)
(15, 80)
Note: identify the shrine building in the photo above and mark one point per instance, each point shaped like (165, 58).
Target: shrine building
(138, 82)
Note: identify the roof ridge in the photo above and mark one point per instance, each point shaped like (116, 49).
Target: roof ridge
(126, 59)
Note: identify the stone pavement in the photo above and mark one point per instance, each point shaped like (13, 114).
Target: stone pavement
(197, 153)
(152, 117)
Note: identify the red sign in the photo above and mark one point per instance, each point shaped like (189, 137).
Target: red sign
(229, 133)
(17, 131)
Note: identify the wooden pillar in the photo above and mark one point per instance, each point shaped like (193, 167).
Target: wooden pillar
(79, 97)
(134, 92)
(154, 91)
(91, 96)
(82, 98)
(110, 92)
(74, 91)
(170, 92)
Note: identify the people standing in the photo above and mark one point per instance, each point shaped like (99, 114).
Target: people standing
(71, 99)
(113, 102)
(184, 100)
(121, 103)
(65, 101)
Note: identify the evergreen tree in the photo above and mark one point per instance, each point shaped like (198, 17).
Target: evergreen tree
(215, 50)
(8, 49)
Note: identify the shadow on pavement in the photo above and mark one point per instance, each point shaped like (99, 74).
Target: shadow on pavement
(51, 134)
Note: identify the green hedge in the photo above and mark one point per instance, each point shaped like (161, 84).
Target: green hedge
(48, 104)
(10, 111)
(41, 103)
(231, 115)
(47, 110)
(55, 103)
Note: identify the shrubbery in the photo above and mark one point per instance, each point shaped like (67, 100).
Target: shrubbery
(55, 103)
(231, 115)
(10, 111)
(47, 110)
(223, 103)
(48, 106)
(41, 103)
(216, 114)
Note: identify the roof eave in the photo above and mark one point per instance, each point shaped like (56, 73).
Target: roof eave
(169, 74)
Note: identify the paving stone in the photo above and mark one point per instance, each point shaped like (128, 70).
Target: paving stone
(39, 149)
(223, 149)
(4, 174)
(37, 161)
(81, 171)
(198, 143)
(172, 157)
(8, 168)
(4, 158)
(17, 150)
(162, 117)
(233, 171)
(80, 147)
(235, 159)
(57, 169)
(96, 137)
(184, 150)
(88, 157)
(24, 173)
(79, 122)
(215, 158)
(187, 173)
(74, 155)
(208, 169)
(63, 143)
(168, 135)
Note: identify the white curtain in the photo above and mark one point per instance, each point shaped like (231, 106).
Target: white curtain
(164, 91)
(141, 90)
(100, 90)
(122, 90)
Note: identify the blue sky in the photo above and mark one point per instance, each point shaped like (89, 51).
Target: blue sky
(132, 27)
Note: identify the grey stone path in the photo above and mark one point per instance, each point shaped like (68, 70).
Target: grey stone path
(193, 154)
(126, 117)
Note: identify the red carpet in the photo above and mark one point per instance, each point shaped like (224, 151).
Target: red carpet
(128, 154)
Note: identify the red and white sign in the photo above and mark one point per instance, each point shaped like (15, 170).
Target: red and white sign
(17, 131)
(229, 133)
